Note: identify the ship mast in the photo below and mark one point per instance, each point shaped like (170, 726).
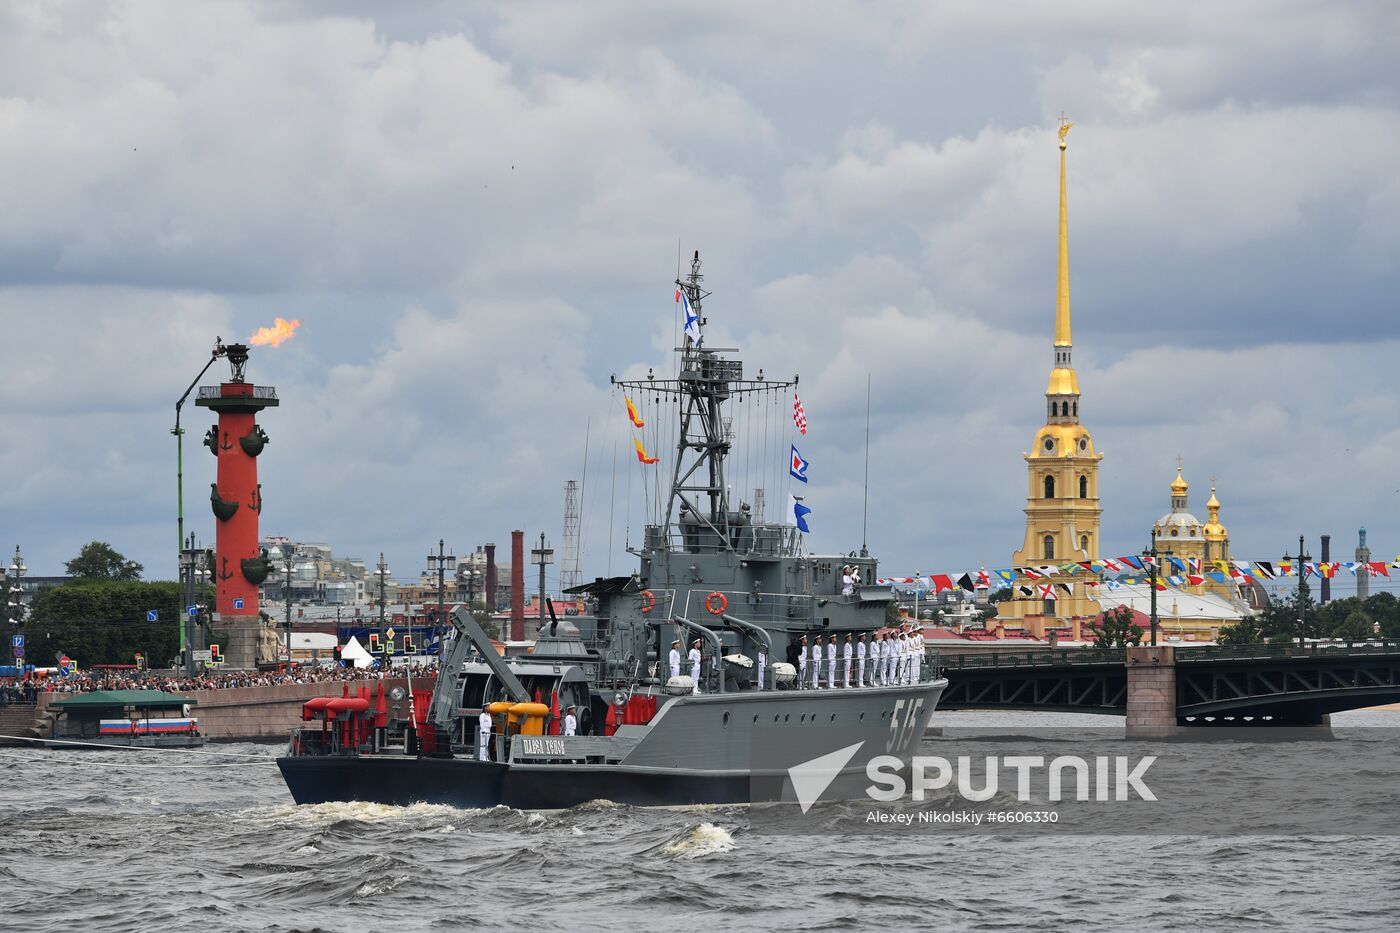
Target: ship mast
(699, 501)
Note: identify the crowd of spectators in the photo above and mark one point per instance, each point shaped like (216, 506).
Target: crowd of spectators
(89, 681)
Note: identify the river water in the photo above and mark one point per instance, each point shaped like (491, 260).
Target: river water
(209, 840)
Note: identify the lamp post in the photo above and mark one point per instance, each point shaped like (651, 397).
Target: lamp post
(441, 558)
(14, 603)
(179, 433)
(543, 556)
(287, 566)
(382, 570)
(1302, 585)
(1150, 556)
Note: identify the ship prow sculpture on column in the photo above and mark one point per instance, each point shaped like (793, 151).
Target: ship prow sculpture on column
(237, 440)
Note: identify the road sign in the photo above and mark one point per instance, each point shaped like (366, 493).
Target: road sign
(17, 641)
(19, 651)
(205, 655)
(389, 646)
(238, 602)
(152, 615)
(192, 610)
(389, 634)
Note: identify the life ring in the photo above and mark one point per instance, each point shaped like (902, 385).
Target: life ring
(716, 603)
(648, 600)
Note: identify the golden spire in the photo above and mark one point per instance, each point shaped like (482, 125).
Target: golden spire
(1062, 333)
(1213, 529)
(1213, 504)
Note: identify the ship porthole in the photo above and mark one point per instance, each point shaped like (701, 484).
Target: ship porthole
(787, 716)
(755, 720)
(862, 717)
(833, 717)
(726, 718)
(775, 717)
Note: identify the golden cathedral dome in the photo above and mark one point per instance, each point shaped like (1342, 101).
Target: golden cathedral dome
(1214, 530)
(1179, 485)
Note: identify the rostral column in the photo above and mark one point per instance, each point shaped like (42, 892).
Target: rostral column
(236, 499)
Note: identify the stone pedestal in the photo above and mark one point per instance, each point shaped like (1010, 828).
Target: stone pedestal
(241, 634)
(1151, 692)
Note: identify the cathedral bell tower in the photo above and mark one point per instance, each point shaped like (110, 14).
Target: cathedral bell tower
(1062, 502)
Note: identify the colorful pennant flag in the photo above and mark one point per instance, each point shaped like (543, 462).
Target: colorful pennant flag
(642, 454)
(632, 413)
(800, 513)
(799, 414)
(798, 468)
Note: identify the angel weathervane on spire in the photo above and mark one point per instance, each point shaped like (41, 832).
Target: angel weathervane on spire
(1065, 127)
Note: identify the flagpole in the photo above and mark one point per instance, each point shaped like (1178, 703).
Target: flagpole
(865, 515)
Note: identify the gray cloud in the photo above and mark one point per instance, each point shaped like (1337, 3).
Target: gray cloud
(475, 215)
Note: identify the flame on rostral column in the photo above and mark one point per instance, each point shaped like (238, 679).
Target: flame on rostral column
(279, 333)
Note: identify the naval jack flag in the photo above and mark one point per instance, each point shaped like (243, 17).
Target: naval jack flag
(692, 320)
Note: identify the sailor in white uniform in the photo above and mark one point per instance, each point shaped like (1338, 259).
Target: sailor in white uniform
(860, 661)
(571, 722)
(849, 650)
(831, 662)
(906, 657)
(917, 643)
(762, 666)
(848, 585)
(483, 736)
(817, 663)
(695, 666)
(676, 658)
(802, 662)
(877, 660)
(891, 659)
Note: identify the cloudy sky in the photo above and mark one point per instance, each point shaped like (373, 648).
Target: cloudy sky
(474, 211)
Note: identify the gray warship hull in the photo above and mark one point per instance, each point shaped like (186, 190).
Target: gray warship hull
(698, 750)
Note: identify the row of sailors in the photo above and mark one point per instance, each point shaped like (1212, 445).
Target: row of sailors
(889, 658)
(893, 657)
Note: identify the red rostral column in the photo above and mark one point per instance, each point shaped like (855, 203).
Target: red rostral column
(236, 499)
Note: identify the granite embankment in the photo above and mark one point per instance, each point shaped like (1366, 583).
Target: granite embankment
(254, 713)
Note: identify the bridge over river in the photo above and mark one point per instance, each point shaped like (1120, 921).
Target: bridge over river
(1163, 687)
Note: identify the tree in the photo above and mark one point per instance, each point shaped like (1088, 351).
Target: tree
(1356, 627)
(98, 560)
(892, 614)
(1384, 608)
(104, 622)
(1243, 632)
(1293, 617)
(1116, 629)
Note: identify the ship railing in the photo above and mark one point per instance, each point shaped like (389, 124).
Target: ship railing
(751, 606)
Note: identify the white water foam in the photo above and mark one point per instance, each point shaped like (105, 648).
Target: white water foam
(702, 840)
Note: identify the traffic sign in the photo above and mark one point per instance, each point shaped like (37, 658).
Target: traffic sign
(204, 655)
(152, 615)
(389, 634)
(238, 602)
(192, 610)
(17, 641)
(19, 651)
(389, 646)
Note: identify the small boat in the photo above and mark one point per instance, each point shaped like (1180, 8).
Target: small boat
(125, 719)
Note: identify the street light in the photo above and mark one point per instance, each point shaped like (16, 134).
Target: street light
(441, 558)
(1302, 585)
(1150, 558)
(382, 569)
(179, 433)
(287, 564)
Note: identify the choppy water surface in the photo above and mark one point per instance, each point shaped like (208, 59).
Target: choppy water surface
(209, 840)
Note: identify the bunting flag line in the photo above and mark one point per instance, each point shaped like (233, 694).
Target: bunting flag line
(632, 413)
(642, 454)
(798, 467)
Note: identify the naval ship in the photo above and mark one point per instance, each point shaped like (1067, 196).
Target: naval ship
(706, 570)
